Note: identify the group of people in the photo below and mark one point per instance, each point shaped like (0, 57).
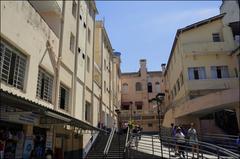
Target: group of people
(136, 134)
(181, 136)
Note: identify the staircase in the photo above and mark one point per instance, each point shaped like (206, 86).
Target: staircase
(117, 146)
(98, 147)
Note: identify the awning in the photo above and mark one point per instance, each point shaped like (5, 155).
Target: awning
(17, 102)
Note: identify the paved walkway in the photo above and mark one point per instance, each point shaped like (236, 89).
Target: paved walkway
(145, 145)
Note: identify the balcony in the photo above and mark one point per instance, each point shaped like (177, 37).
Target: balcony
(213, 84)
(51, 12)
(207, 47)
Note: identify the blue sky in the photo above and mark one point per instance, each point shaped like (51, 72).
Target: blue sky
(146, 29)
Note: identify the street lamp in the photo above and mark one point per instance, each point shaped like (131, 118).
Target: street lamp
(131, 110)
(159, 99)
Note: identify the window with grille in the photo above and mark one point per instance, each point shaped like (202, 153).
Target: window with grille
(63, 98)
(89, 35)
(12, 65)
(216, 37)
(125, 88)
(88, 63)
(44, 85)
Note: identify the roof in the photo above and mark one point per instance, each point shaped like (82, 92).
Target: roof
(189, 27)
(15, 100)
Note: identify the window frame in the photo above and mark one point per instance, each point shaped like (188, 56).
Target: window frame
(67, 94)
(138, 86)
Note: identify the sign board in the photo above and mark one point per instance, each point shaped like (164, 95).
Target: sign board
(20, 117)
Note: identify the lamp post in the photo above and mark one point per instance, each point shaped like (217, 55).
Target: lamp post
(131, 110)
(158, 100)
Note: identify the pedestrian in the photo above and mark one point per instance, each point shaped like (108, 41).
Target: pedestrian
(193, 140)
(135, 135)
(180, 141)
(49, 154)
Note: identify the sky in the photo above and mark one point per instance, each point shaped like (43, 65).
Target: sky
(146, 29)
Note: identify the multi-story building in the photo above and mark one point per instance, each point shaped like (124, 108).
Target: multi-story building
(47, 71)
(202, 78)
(137, 89)
(106, 77)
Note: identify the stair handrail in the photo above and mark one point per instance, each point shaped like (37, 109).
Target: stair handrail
(105, 152)
(126, 141)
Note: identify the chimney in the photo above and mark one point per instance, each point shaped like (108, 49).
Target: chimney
(143, 67)
(163, 65)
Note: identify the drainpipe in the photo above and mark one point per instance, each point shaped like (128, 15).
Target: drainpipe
(60, 48)
(75, 64)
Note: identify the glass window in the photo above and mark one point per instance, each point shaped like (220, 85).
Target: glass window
(44, 85)
(195, 73)
(149, 87)
(219, 72)
(138, 86)
(125, 107)
(216, 37)
(12, 65)
(64, 98)
(89, 35)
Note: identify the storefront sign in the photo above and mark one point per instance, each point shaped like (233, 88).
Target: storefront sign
(28, 146)
(20, 117)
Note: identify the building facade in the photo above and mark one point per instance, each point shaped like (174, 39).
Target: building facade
(137, 89)
(47, 77)
(106, 77)
(202, 78)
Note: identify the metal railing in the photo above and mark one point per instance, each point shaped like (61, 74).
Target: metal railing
(150, 145)
(105, 152)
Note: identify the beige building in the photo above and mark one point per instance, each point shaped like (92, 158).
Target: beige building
(202, 78)
(137, 89)
(48, 88)
(106, 77)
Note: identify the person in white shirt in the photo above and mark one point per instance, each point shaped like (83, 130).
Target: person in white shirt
(193, 140)
(180, 138)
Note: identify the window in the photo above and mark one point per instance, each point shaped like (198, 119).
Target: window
(219, 72)
(104, 86)
(74, 8)
(178, 85)
(87, 111)
(150, 124)
(125, 87)
(149, 87)
(88, 63)
(125, 107)
(105, 65)
(174, 90)
(181, 79)
(72, 42)
(12, 66)
(89, 35)
(63, 98)
(139, 105)
(157, 84)
(44, 85)
(236, 72)
(216, 37)
(196, 73)
(138, 86)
